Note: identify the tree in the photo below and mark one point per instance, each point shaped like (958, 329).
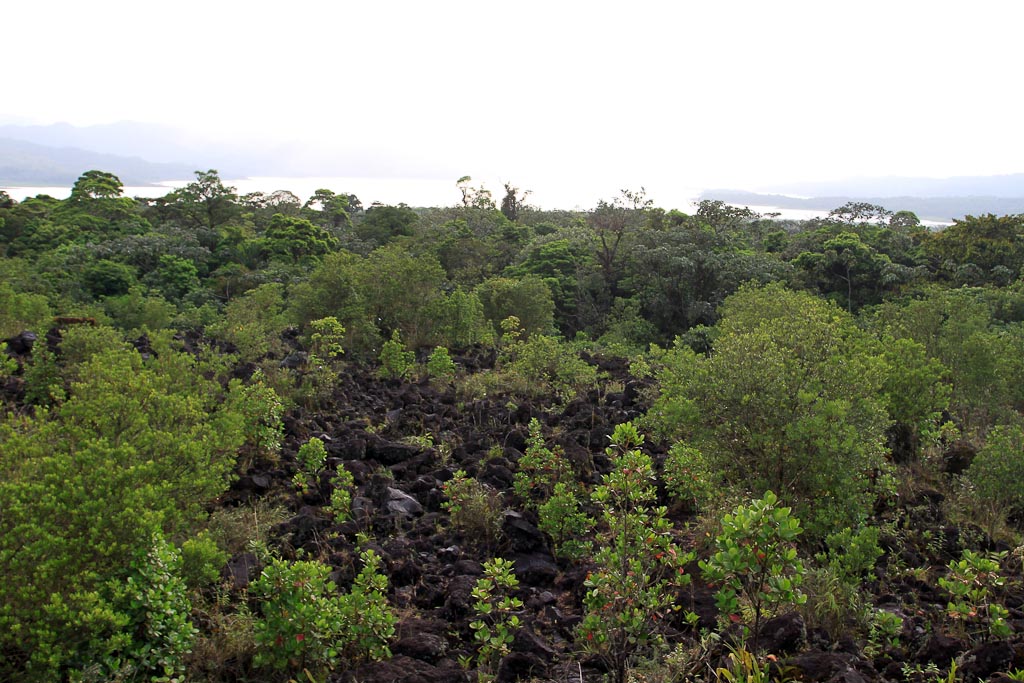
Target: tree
(788, 401)
(512, 203)
(528, 299)
(988, 242)
(296, 239)
(96, 185)
(206, 202)
(328, 209)
(381, 224)
(133, 454)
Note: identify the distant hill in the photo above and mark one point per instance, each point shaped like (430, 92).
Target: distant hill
(1010, 185)
(167, 144)
(937, 208)
(26, 163)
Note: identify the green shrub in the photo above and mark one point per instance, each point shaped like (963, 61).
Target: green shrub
(789, 401)
(971, 583)
(136, 450)
(565, 523)
(342, 484)
(395, 361)
(689, 477)
(996, 473)
(540, 468)
(327, 338)
(440, 364)
(756, 561)
(495, 624)
(158, 603)
(201, 561)
(474, 508)
(307, 625)
(638, 564)
(312, 457)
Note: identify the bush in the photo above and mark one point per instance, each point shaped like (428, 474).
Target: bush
(440, 365)
(540, 468)
(689, 477)
(789, 401)
(638, 564)
(996, 473)
(474, 508)
(136, 450)
(395, 361)
(565, 523)
(306, 625)
(495, 624)
(756, 561)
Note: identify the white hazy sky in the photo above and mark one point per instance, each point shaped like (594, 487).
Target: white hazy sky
(705, 94)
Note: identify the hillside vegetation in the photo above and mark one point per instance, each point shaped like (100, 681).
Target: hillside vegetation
(272, 438)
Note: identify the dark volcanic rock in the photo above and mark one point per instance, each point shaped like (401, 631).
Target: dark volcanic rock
(401, 503)
(536, 569)
(404, 669)
(823, 666)
(428, 647)
(783, 634)
(389, 452)
(519, 665)
(22, 344)
(242, 569)
(939, 648)
(985, 660)
(523, 536)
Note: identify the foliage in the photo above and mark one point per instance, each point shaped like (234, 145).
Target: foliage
(135, 450)
(527, 298)
(253, 321)
(474, 507)
(21, 311)
(395, 361)
(401, 291)
(637, 562)
(999, 462)
(262, 410)
(326, 338)
(496, 622)
(545, 364)
(743, 667)
(971, 582)
(788, 401)
(458, 320)
(312, 457)
(296, 239)
(440, 364)
(307, 625)
(201, 561)
(688, 476)
(565, 523)
(756, 561)
(342, 484)
(159, 607)
(539, 469)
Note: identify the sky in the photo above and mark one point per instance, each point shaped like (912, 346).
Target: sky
(744, 93)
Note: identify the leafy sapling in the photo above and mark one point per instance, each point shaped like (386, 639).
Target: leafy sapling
(756, 561)
(971, 582)
(495, 607)
(312, 457)
(639, 565)
(396, 362)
